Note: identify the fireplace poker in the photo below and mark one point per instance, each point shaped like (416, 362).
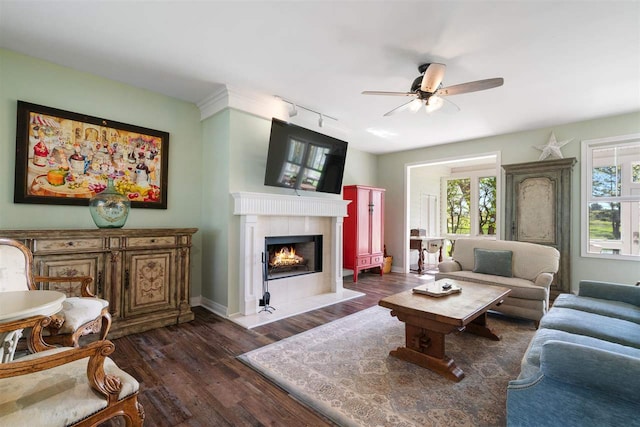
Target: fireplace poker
(266, 296)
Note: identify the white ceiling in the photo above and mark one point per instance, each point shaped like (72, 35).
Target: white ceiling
(562, 61)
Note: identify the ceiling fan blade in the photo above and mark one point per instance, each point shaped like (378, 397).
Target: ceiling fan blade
(432, 78)
(470, 87)
(411, 104)
(377, 92)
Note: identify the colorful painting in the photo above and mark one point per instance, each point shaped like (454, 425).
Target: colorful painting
(67, 158)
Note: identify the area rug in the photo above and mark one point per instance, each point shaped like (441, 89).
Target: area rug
(343, 370)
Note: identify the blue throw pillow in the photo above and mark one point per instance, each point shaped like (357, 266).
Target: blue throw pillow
(493, 262)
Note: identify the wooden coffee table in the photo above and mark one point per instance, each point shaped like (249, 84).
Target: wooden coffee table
(428, 319)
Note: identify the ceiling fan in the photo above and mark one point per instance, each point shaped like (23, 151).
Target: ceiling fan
(427, 89)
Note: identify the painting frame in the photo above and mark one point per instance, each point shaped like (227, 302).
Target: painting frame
(65, 158)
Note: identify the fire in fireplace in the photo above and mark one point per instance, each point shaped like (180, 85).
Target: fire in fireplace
(288, 256)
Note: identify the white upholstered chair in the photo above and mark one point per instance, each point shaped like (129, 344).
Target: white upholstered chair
(65, 386)
(82, 312)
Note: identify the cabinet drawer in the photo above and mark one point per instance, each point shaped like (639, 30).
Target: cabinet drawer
(362, 261)
(138, 242)
(377, 259)
(66, 245)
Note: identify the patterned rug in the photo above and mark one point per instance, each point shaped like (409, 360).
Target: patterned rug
(343, 370)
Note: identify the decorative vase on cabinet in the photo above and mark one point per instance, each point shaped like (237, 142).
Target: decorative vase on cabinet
(363, 237)
(109, 209)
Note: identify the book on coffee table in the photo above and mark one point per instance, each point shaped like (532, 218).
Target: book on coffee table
(439, 288)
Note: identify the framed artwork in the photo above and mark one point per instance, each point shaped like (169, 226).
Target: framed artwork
(66, 158)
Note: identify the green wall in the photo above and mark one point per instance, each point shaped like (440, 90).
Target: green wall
(29, 79)
(215, 207)
(514, 148)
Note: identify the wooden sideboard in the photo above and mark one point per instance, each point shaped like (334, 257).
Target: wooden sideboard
(143, 273)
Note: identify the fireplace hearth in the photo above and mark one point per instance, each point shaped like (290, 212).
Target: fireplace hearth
(287, 256)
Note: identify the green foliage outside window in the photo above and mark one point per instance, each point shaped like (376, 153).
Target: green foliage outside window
(604, 221)
(487, 205)
(604, 218)
(458, 206)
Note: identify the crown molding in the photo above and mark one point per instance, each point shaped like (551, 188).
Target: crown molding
(230, 97)
(214, 103)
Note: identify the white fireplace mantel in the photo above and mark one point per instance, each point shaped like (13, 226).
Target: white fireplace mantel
(283, 205)
(254, 208)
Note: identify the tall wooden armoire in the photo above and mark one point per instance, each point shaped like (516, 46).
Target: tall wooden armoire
(538, 209)
(363, 236)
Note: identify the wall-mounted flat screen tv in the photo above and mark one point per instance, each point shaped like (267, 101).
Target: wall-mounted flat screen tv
(303, 159)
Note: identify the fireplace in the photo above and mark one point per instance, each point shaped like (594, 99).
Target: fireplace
(287, 256)
(264, 215)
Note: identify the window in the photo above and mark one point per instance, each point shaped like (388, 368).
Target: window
(611, 197)
(470, 208)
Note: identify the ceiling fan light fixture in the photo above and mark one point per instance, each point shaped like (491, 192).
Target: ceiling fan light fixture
(415, 105)
(434, 103)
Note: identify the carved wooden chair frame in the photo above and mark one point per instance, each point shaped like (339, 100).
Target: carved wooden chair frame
(106, 385)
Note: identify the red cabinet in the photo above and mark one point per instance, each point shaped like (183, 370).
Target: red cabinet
(363, 236)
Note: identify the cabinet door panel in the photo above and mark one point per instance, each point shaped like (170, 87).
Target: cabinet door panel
(377, 221)
(73, 266)
(535, 207)
(148, 282)
(364, 222)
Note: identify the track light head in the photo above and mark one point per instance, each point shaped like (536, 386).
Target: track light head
(295, 107)
(294, 110)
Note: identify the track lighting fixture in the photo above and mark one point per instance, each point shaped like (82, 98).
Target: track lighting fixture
(294, 111)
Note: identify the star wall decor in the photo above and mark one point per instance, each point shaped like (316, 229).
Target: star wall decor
(552, 148)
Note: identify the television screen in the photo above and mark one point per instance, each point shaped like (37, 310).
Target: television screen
(302, 159)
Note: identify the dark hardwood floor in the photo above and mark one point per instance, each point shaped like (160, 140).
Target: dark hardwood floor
(189, 374)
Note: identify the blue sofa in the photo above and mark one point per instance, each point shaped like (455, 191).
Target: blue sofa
(582, 367)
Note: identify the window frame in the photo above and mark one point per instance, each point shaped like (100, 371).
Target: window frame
(587, 148)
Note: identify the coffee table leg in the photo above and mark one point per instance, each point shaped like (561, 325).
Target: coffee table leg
(478, 326)
(426, 348)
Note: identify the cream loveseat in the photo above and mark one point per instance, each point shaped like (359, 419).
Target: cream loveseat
(525, 268)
